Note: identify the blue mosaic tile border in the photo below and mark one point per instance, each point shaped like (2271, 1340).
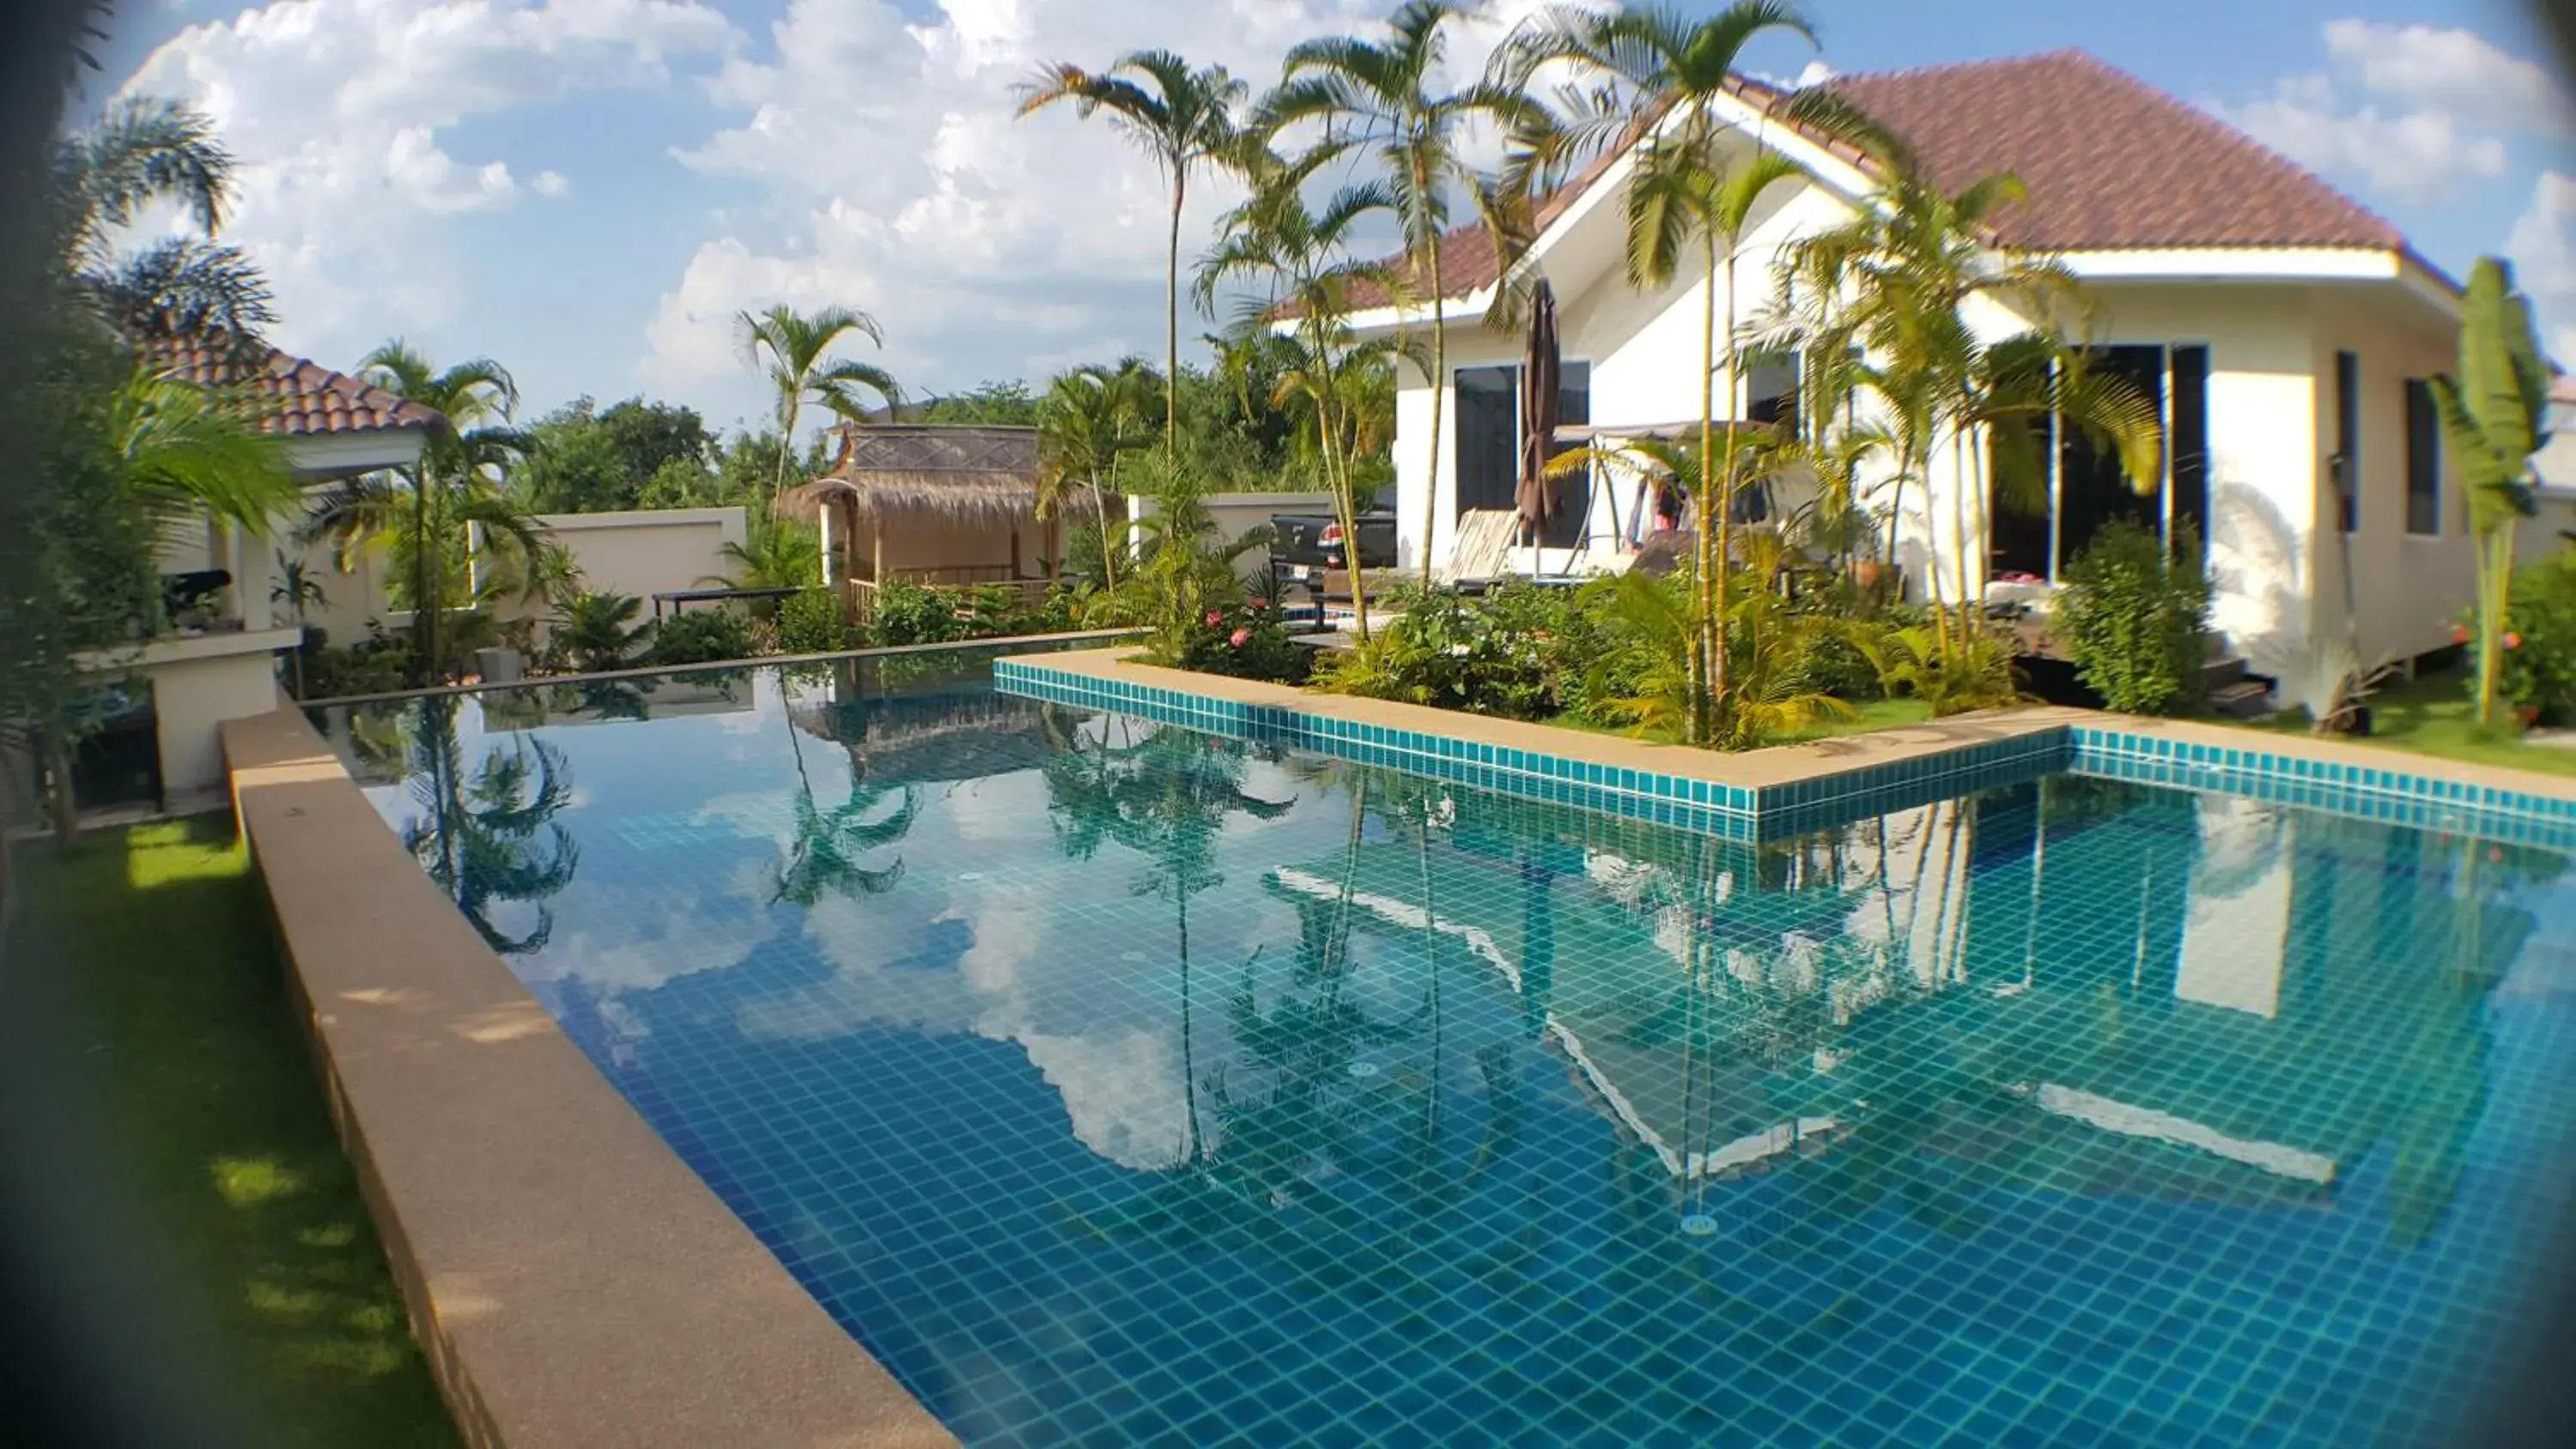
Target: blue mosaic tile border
(1745, 813)
(1733, 812)
(2392, 796)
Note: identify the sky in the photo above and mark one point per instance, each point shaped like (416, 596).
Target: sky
(588, 191)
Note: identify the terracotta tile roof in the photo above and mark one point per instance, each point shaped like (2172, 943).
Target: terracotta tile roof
(295, 398)
(2110, 162)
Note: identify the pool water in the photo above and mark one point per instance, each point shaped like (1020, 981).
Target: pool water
(1117, 1084)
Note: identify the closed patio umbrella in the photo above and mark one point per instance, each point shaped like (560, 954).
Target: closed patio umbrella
(1536, 499)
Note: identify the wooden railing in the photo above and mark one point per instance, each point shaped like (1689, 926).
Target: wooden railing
(861, 594)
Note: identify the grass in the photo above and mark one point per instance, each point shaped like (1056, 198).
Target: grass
(215, 1125)
(2431, 714)
(1866, 717)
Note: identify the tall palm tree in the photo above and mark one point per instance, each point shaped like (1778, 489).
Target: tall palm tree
(1385, 96)
(142, 151)
(1667, 82)
(1300, 260)
(1184, 118)
(1090, 419)
(1911, 266)
(451, 496)
(792, 349)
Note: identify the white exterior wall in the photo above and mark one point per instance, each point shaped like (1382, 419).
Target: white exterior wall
(2407, 590)
(642, 552)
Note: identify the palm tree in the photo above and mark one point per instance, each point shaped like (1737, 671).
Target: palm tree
(186, 452)
(1091, 418)
(492, 838)
(780, 553)
(1182, 117)
(1911, 266)
(597, 631)
(1301, 259)
(792, 347)
(1385, 96)
(1671, 77)
(434, 511)
(143, 151)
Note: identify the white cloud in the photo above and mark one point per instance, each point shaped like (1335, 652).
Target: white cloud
(2417, 112)
(899, 181)
(2456, 72)
(337, 111)
(2543, 248)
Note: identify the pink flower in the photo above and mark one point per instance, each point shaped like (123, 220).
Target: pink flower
(2512, 640)
(1239, 638)
(1214, 618)
(1261, 603)
(2459, 633)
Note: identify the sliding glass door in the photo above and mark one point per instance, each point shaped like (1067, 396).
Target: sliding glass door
(1488, 440)
(2086, 488)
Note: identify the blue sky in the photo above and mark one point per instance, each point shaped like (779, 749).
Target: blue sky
(586, 190)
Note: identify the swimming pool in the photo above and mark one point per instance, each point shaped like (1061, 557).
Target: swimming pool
(1117, 1083)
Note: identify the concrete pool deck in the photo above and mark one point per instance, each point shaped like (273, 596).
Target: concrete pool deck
(571, 1281)
(1782, 766)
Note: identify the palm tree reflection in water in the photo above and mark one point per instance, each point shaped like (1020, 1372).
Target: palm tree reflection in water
(1167, 797)
(826, 851)
(492, 838)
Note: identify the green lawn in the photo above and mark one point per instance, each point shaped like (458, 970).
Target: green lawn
(2431, 715)
(172, 1000)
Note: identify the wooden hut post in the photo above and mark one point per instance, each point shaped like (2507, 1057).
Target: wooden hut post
(823, 524)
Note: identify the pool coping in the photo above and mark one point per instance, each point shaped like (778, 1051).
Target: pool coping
(1791, 789)
(570, 1279)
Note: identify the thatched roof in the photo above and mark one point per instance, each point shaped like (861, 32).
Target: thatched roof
(966, 472)
(927, 738)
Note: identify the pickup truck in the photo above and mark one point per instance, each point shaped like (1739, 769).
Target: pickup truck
(1304, 545)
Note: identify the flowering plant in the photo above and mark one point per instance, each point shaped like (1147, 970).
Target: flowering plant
(1247, 640)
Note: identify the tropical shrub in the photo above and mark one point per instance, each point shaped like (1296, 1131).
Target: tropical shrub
(2539, 653)
(1974, 672)
(1631, 667)
(912, 614)
(597, 631)
(377, 664)
(811, 622)
(1491, 655)
(1247, 640)
(703, 636)
(2135, 616)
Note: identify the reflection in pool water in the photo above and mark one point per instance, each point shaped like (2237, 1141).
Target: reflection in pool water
(1121, 1084)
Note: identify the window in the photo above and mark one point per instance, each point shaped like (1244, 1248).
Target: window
(1489, 436)
(1771, 389)
(2344, 468)
(2423, 460)
(2187, 419)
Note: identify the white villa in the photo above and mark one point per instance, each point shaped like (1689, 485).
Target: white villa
(2283, 330)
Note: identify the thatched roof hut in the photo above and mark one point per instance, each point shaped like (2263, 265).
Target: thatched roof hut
(928, 502)
(969, 473)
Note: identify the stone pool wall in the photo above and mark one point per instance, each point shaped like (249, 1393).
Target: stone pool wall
(571, 1280)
